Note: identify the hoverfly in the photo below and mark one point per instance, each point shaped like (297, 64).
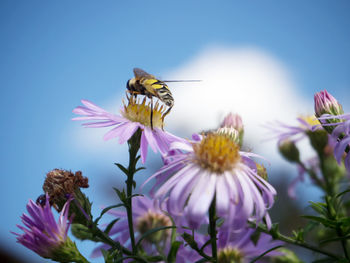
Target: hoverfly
(149, 86)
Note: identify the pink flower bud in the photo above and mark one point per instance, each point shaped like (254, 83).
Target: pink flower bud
(325, 103)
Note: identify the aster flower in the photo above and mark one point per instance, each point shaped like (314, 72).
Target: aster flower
(341, 135)
(213, 166)
(288, 135)
(233, 247)
(45, 236)
(147, 215)
(135, 115)
(294, 133)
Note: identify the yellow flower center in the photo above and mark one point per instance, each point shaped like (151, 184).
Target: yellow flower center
(230, 255)
(217, 152)
(310, 119)
(138, 111)
(153, 220)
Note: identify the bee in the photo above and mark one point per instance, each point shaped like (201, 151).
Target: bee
(149, 86)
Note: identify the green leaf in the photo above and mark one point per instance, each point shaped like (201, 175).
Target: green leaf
(139, 169)
(202, 260)
(344, 221)
(137, 158)
(205, 244)
(190, 241)
(173, 251)
(299, 235)
(263, 254)
(323, 221)
(334, 239)
(320, 208)
(110, 225)
(274, 231)
(105, 210)
(151, 231)
(155, 258)
(121, 194)
(122, 168)
(255, 237)
(324, 260)
(343, 193)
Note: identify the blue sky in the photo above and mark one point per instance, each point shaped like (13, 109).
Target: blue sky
(54, 53)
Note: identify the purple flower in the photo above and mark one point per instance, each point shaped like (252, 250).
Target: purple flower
(147, 215)
(293, 133)
(233, 247)
(341, 134)
(213, 166)
(42, 233)
(287, 137)
(134, 116)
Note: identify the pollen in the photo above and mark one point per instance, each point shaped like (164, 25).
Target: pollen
(140, 111)
(310, 119)
(152, 220)
(217, 152)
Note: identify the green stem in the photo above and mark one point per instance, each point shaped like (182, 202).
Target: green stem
(329, 187)
(333, 216)
(212, 229)
(292, 241)
(134, 146)
(107, 240)
(343, 242)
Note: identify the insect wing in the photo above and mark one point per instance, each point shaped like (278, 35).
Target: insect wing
(139, 73)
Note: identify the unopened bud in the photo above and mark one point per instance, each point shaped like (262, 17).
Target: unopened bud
(289, 151)
(318, 140)
(325, 103)
(234, 121)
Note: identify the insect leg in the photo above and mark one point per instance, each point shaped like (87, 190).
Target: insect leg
(165, 113)
(152, 113)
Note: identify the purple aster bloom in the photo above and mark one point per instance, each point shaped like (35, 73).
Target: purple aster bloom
(213, 166)
(42, 233)
(341, 134)
(147, 215)
(293, 133)
(233, 247)
(287, 136)
(134, 116)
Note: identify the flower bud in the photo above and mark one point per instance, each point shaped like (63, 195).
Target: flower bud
(318, 140)
(234, 121)
(325, 103)
(289, 151)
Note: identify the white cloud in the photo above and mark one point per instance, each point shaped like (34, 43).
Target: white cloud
(247, 81)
